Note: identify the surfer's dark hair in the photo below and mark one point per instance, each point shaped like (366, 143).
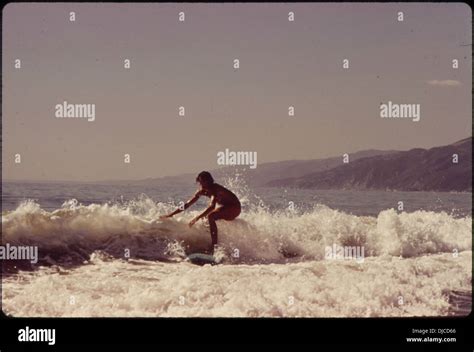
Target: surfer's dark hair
(205, 177)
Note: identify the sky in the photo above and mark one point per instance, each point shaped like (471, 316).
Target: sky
(191, 64)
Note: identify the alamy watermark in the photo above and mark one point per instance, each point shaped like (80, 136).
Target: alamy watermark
(9, 252)
(336, 252)
(37, 335)
(400, 111)
(232, 158)
(67, 110)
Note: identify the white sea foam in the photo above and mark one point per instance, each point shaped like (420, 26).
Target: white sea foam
(280, 270)
(110, 287)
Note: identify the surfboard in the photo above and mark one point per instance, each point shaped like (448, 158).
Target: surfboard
(201, 259)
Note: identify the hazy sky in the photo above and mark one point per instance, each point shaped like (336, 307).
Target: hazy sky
(190, 64)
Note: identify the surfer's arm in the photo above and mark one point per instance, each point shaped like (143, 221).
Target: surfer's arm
(186, 205)
(206, 212)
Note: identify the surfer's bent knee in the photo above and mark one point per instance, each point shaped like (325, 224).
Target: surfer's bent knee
(225, 213)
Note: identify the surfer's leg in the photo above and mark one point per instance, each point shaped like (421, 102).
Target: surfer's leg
(213, 229)
(226, 213)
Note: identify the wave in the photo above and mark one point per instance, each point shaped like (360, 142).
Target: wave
(71, 234)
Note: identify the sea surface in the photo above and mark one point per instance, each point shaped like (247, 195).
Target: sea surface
(104, 252)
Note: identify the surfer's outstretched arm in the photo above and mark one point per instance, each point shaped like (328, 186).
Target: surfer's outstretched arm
(186, 206)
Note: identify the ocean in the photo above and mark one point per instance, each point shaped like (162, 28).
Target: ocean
(103, 252)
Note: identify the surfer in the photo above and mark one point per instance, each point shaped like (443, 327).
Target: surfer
(228, 205)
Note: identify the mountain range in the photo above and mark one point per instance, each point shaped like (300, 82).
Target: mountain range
(417, 169)
(433, 169)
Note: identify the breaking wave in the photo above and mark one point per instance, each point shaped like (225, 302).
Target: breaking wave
(71, 234)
